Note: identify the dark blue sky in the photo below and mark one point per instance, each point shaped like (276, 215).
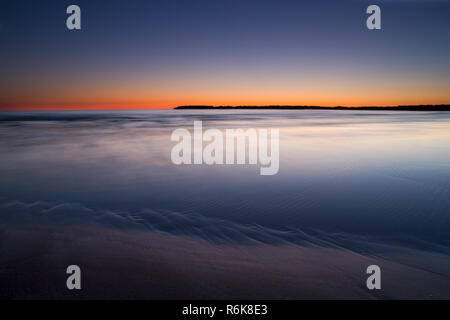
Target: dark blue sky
(163, 53)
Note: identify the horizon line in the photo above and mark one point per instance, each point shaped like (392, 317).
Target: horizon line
(201, 106)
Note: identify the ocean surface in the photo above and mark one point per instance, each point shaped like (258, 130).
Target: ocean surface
(354, 188)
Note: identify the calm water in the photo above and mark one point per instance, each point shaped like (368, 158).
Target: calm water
(380, 175)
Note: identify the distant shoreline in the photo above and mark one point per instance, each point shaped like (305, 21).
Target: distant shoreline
(441, 107)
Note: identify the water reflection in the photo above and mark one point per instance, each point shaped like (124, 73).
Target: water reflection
(374, 174)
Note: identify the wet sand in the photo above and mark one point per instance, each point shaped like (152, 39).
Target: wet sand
(150, 265)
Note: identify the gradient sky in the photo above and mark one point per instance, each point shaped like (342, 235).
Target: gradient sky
(159, 54)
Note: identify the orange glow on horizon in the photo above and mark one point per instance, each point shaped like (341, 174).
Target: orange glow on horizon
(232, 88)
(141, 95)
(164, 104)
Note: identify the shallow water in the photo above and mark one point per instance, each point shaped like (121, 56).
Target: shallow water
(370, 173)
(346, 179)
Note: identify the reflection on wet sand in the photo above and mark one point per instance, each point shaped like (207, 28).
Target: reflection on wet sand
(142, 265)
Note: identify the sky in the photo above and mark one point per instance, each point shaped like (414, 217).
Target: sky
(164, 53)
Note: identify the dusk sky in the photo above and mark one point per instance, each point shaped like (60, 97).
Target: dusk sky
(160, 54)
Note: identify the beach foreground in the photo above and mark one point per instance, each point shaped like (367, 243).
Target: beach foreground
(141, 265)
